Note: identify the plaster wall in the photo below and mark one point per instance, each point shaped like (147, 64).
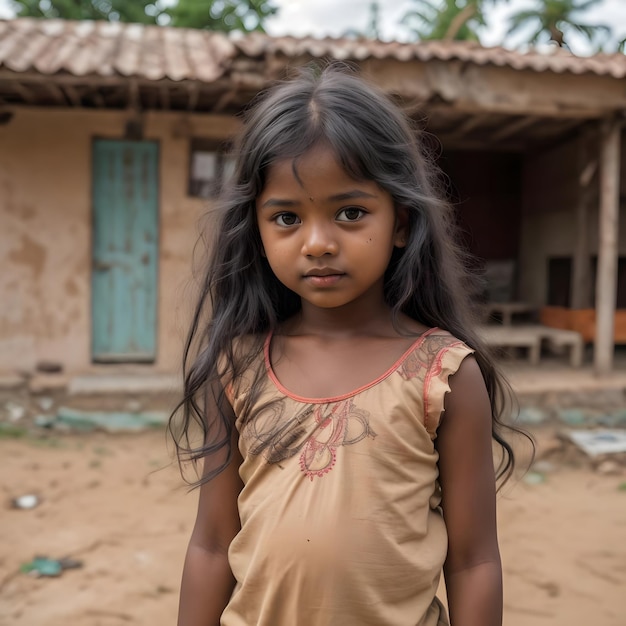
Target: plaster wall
(550, 196)
(45, 232)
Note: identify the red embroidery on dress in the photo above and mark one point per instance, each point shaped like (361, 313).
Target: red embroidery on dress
(334, 427)
(412, 367)
(315, 433)
(434, 371)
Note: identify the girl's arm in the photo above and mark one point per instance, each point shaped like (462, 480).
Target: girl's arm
(473, 571)
(207, 578)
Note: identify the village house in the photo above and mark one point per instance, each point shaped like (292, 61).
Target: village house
(114, 140)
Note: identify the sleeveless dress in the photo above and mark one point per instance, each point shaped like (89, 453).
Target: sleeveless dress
(340, 516)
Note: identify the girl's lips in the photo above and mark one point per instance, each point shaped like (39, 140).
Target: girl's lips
(323, 281)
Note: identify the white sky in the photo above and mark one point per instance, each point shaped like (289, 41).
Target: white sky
(334, 17)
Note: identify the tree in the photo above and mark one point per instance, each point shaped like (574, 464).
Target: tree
(555, 19)
(448, 19)
(372, 29)
(114, 10)
(223, 15)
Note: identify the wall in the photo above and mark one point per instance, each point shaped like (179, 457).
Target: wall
(486, 191)
(45, 232)
(550, 196)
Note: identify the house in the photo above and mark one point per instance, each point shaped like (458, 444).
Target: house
(113, 140)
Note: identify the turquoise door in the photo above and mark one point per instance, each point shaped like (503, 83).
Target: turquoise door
(125, 250)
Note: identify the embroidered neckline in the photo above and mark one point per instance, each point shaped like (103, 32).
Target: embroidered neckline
(270, 372)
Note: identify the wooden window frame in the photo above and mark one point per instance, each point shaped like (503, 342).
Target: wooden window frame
(207, 188)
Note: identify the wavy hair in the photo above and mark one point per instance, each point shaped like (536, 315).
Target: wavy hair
(240, 297)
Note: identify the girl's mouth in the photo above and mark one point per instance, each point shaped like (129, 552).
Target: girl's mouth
(323, 278)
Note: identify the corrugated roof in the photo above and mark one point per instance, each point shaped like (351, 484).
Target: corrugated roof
(154, 53)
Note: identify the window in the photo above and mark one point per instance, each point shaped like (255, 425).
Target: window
(559, 281)
(209, 166)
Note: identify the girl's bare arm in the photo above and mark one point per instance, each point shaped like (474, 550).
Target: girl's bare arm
(207, 578)
(472, 570)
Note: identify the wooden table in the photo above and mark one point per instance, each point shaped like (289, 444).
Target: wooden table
(506, 310)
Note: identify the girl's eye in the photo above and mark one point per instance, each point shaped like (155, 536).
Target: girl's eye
(287, 219)
(351, 214)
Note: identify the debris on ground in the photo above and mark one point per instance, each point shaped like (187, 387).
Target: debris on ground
(27, 501)
(108, 421)
(596, 442)
(43, 566)
(603, 450)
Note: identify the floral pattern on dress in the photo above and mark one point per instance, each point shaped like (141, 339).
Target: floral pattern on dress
(316, 433)
(338, 424)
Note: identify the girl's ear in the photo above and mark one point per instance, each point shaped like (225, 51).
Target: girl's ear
(401, 233)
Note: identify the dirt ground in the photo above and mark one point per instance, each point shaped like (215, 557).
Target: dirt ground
(117, 504)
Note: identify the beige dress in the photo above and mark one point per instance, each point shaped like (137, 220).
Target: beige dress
(340, 517)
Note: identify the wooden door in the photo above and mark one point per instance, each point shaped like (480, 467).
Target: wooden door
(125, 250)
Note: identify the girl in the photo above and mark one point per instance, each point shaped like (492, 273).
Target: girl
(346, 408)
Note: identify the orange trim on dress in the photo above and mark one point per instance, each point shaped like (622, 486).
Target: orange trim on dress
(270, 372)
(435, 369)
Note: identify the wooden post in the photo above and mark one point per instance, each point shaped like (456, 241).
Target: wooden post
(606, 281)
(580, 295)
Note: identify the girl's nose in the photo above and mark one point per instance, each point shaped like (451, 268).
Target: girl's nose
(318, 241)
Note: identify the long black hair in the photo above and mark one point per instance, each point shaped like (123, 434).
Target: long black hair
(241, 300)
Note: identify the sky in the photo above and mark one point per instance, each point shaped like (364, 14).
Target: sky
(334, 17)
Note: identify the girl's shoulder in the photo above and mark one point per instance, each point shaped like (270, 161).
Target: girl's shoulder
(431, 339)
(435, 345)
(239, 355)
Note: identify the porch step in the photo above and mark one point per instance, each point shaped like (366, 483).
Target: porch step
(123, 384)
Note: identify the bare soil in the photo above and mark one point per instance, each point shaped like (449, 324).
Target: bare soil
(117, 503)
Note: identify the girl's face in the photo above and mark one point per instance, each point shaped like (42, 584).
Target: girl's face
(327, 237)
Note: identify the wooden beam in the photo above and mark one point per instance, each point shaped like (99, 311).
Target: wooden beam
(56, 92)
(25, 92)
(467, 125)
(518, 108)
(164, 97)
(194, 95)
(580, 294)
(133, 95)
(513, 128)
(98, 99)
(554, 128)
(72, 95)
(606, 281)
(456, 142)
(224, 100)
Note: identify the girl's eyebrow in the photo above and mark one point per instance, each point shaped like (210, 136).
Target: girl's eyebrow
(350, 195)
(340, 197)
(277, 202)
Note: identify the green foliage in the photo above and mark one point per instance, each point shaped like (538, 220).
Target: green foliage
(114, 10)
(223, 15)
(447, 19)
(554, 19)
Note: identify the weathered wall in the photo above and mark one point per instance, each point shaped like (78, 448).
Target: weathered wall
(550, 196)
(45, 232)
(486, 191)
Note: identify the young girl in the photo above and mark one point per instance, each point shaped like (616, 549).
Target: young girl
(346, 408)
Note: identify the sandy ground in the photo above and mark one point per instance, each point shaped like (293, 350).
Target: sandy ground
(117, 504)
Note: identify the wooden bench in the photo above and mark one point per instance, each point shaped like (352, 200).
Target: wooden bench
(531, 337)
(527, 337)
(558, 338)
